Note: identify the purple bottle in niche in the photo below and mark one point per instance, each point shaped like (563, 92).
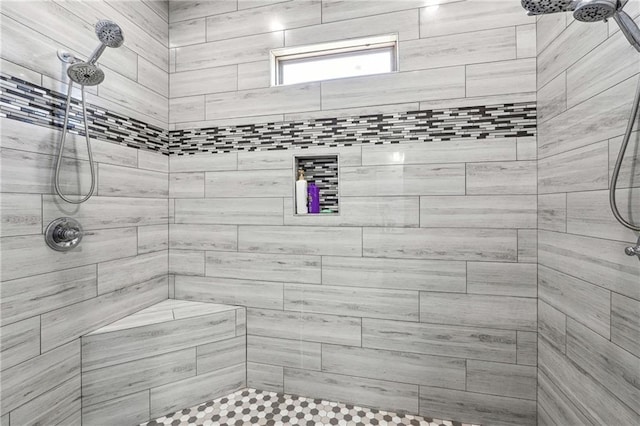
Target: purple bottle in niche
(314, 198)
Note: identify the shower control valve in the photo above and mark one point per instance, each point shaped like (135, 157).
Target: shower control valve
(633, 250)
(63, 234)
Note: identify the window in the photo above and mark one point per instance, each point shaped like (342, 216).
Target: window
(349, 58)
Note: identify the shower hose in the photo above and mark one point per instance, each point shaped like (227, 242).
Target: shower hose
(616, 169)
(62, 142)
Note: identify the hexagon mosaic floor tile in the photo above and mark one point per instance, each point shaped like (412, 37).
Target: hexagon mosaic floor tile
(255, 407)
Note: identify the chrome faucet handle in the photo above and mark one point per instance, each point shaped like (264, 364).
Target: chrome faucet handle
(633, 250)
(63, 234)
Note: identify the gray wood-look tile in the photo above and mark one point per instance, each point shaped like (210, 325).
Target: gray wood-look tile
(514, 177)
(556, 404)
(256, 294)
(500, 78)
(129, 409)
(405, 23)
(191, 391)
(396, 366)
(301, 240)
(228, 52)
(117, 274)
(517, 381)
(153, 77)
(526, 41)
(21, 214)
(352, 301)
(502, 279)
(241, 321)
(578, 299)
(70, 322)
(445, 340)
(203, 162)
(440, 152)
(118, 181)
(291, 98)
(403, 274)
(361, 211)
(629, 173)
(187, 9)
(188, 32)
(552, 325)
(347, 112)
(423, 85)
(311, 327)
(445, 179)
(27, 255)
(254, 75)
(186, 262)
(20, 342)
(552, 98)
(441, 243)
(625, 323)
(186, 185)
(511, 313)
(589, 214)
(527, 246)
(497, 211)
(188, 108)
(27, 297)
(30, 379)
(153, 238)
(111, 382)
(370, 392)
(107, 212)
(250, 183)
(221, 354)
(52, 407)
(476, 408)
(473, 15)
(589, 170)
(527, 348)
(590, 396)
(458, 49)
(121, 346)
(552, 212)
(284, 159)
(284, 352)
(189, 83)
(612, 366)
(264, 376)
(271, 267)
(152, 161)
(549, 27)
(232, 211)
(252, 21)
(203, 237)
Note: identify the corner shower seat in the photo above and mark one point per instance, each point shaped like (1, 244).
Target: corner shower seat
(171, 355)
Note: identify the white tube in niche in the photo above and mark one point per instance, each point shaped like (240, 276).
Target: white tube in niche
(301, 194)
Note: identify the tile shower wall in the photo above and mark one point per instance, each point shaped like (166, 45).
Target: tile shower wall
(589, 290)
(50, 299)
(420, 295)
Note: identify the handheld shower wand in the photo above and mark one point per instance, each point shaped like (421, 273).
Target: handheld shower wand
(85, 74)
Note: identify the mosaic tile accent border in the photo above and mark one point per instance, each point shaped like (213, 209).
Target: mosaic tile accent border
(254, 407)
(479, 122)
(323, 171)
(30, 103)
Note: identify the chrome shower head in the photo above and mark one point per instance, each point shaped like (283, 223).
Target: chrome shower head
(109, 33)
(595, 10)
(85, 74)
(541, 7)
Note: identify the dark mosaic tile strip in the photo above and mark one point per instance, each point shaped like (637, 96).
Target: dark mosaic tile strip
(27, 102)
(323, 171)
(479, 122)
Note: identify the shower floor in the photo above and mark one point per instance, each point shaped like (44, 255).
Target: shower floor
(255, 407)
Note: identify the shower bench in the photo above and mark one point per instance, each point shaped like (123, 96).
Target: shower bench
(171, 355)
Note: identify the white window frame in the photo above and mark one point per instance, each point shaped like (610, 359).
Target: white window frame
(278, 56)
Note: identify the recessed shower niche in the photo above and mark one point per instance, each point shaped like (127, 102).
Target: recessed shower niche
(319, 189)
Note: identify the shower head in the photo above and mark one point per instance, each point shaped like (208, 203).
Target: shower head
(110, 35)
(541, 7)
(85, 74)
(595, 10)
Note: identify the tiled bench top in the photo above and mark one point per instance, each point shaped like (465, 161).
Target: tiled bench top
(165, 311)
